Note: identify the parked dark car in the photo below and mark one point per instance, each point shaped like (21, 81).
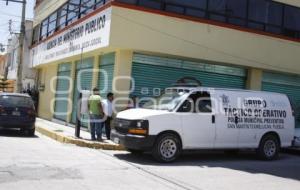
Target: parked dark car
(17, 112)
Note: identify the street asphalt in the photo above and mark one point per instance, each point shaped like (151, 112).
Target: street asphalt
(41, 163)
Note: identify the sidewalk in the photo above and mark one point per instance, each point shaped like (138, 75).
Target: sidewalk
(66, 134)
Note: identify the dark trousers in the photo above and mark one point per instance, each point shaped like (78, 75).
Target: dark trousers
(107, 127)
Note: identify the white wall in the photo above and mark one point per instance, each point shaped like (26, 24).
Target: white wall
(28, 73)
(12, 50)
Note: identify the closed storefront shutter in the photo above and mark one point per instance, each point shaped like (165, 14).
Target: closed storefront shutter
(286, 84)
(106, 74)
(84, 79)
(62, 91)
(153, 74)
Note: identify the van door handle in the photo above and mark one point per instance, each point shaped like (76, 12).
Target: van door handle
(213, 119)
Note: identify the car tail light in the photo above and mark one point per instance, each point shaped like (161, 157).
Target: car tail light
(2, 110)
(31, 113)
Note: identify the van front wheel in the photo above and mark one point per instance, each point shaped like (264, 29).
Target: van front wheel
(268, 148)
(167, 148)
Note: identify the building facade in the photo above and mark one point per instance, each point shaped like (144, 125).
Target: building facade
(2, 65)
(140, 47)
(28, 72)
(9, 84)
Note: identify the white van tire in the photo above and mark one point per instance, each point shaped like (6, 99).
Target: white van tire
(167, 148)
(269, 147)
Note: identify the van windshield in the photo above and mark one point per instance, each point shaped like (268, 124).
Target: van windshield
(167, 101)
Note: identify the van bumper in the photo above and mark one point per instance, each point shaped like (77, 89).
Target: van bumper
(135, 142)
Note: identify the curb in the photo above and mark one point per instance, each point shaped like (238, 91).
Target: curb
(79, 142)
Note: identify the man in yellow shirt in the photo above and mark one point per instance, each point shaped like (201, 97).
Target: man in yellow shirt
(96, 115)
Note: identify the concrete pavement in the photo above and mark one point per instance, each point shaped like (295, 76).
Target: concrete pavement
(41, 163)
(66, 134)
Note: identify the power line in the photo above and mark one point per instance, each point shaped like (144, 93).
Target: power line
(37, 20)
(13, 15)
(13, 21)
(7, 25)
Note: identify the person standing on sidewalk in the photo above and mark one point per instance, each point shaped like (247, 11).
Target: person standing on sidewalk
(96, 115)
(108, 111)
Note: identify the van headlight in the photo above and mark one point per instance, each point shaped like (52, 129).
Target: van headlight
(139, 127)
(142, 124)
(139, 124)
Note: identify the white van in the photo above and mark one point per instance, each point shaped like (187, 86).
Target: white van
(187, 118)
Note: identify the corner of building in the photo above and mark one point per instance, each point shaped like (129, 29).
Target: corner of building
(47, 91)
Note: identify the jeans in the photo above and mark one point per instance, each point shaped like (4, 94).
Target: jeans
(96, 124)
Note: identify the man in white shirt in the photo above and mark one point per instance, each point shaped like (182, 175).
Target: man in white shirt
(108, 110)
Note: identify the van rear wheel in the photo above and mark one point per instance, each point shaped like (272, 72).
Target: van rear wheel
(167, 148)
(269, 148)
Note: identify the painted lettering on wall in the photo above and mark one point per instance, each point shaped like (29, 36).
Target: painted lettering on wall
(86, 36)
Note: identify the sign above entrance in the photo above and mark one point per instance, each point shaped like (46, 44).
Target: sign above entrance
(91, 34)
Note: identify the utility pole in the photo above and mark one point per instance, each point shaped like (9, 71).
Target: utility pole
(21, 44)
(21, 48)
(10, 26)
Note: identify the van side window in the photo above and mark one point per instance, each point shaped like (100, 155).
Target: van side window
(203, 103)
(198, 102)
(187, 106)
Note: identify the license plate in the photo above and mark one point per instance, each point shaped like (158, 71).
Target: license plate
(16, 113)
(117, 140)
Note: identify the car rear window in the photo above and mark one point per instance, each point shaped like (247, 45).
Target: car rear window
(16, 101)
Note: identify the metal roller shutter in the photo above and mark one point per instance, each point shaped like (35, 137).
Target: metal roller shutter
(153, 74)
(62, 95)
(286, 84)
(107, 64)
(84, 79)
